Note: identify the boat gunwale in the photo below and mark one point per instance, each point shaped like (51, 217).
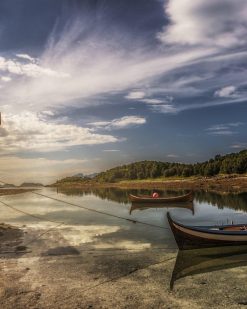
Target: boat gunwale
(160, 199)
(206, 229)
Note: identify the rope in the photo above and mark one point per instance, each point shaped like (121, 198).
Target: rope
(102, 212)
(63, 223)
(28, 214)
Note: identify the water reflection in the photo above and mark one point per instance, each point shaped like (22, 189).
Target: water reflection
(236, 201)
(117, 194)
(198, 261)
(145, 206)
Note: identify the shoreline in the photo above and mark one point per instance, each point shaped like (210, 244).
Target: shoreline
(11, 191)
(223, 184)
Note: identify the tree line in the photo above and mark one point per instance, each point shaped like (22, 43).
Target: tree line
(234, 163)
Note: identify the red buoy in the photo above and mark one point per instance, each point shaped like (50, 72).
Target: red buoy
(155, 195)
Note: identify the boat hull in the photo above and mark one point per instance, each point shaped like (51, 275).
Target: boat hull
(195, 237)
(182, 198)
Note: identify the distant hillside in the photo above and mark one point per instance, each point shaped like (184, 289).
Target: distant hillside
(81, 175)
(7, 185)
(234, 163)
(31, 184)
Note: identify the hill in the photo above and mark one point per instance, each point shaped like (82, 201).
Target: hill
(31, 184)
(234, 163)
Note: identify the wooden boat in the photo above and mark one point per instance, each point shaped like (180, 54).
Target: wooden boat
(174, 199)
(191, 237)
(144, 206)
(199, 261)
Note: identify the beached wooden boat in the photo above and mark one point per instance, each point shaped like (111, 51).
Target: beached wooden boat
(144, 206)
(191, 237)
(199, 261)
(174, 199)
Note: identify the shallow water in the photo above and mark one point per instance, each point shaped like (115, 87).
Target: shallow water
(95, 220)
(41, 211)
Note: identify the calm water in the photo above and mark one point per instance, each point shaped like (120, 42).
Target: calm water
(85, 230)
(209, 208)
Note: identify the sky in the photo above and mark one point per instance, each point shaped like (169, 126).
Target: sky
(86, 85)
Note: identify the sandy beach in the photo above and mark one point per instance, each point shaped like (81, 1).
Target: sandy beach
(35, 277)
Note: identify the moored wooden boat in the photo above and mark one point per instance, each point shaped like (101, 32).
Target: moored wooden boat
(192, 237)
(144, 206)
(174, 199)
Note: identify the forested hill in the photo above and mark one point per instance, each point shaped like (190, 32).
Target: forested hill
(234, 163)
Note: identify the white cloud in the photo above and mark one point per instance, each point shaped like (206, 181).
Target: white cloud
(165, 108)
(226, 92)
(120, 123)
(28, 132)
(6, 79)
(222, 132)
(239, 146)
(220, 23)
(48, 113)
(172, 156)
(15, 67)
(134, 95)
(93, 64)
(152, 101)
(26, 57)
(223, 129)
(111, 150)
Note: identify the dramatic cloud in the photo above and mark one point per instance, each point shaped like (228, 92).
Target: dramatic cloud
(220, 23)
(120, 123)
(225, 92)
(79, 63)
(27, 132)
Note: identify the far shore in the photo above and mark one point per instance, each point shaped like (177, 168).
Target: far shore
(222, 183)
(12, 191)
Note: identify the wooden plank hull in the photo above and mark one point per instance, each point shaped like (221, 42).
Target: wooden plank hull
(190, 237)
(175, 199)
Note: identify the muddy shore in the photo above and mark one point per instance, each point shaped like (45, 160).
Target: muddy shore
(50, 274)
(13, 191)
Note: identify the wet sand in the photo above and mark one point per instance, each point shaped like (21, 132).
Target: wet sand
(43, 270)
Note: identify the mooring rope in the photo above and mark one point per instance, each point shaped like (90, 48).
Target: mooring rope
(59, 223)
(28, 214)
(102, 212)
